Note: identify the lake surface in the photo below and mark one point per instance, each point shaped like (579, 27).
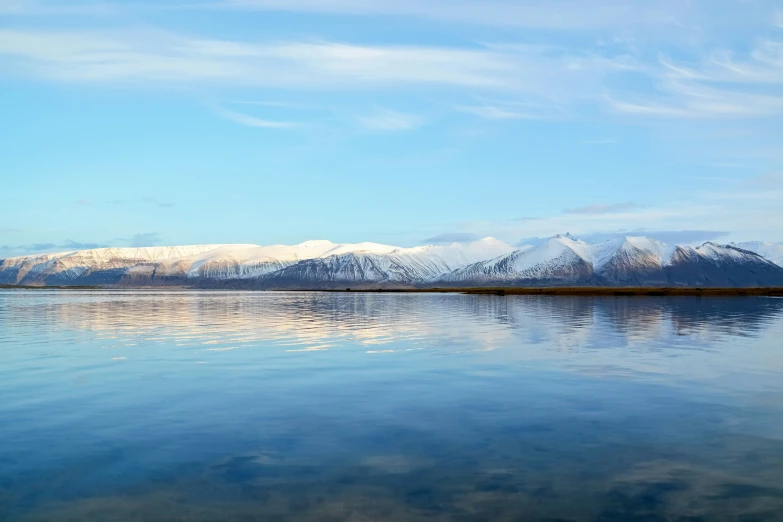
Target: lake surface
(242, 406)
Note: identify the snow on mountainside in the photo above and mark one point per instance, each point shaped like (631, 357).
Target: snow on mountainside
(565, 260)
(771, 251)
(248, 261)
(103, 265)
(401, 266)
(189, 264)
(560, 260)
(60, 268)
(455, 255)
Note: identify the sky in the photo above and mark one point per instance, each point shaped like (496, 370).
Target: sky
(407, 122)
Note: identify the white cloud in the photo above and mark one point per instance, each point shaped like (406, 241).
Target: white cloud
(542, 14)
(145, 239)
(661, 19)
(545, 81)
(101, 56)
(693, 100)
(252, 121)
(44, 8)
(775, 196)
(723, 84)
(494, 112)
(158, 203)
(602, 208)
(649, 109)
(387, 120)
(751, 209)
(157, 58)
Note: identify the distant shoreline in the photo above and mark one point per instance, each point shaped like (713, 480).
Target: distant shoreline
(570, 291)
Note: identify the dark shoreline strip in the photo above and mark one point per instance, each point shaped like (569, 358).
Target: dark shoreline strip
(585, 291)
(31, 287)
(552, 290)
(629, 291)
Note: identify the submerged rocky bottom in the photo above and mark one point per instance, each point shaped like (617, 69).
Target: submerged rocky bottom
(575, 471)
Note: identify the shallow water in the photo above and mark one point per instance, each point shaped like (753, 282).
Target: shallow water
(233, 406)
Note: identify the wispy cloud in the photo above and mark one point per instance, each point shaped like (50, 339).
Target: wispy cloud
(145, 239)
(9, 230)
(673, 237)
(283, 104)
(722, 84)
(150, 58)
(58, 8)
(41, 248)
(252, 121)
(158, 57)
(696, 102)
(746, 195)
(493, 112)
(760, 65)
(566, 14)
(546, 79)
(697, 217)
(451, 237)
(602, 208)
(83, 202)
(77, 245)
(708, 83)
(388, 120)
(695, 214)
(677, 237)
(590, 57)
(773, 178)
(650, 109)
(157, 202)
(664, 17)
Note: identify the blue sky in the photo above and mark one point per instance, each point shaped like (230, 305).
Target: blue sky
(405, 122)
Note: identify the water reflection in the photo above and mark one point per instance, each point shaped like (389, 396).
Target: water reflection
(312, 318)
(320, 406)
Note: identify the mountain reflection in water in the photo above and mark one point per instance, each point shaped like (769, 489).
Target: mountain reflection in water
(145, 405)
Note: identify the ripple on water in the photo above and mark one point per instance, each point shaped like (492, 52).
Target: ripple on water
(147, 405)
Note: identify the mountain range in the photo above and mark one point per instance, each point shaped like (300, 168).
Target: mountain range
(562, 260)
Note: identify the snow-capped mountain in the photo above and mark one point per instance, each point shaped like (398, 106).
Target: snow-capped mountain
(560, 260)
(204, 265)
(395, 266)
(631, 261)
(99, 266)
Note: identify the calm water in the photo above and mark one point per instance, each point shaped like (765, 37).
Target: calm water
(381, 407)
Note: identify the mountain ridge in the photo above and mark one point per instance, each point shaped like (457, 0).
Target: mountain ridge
(560, 260)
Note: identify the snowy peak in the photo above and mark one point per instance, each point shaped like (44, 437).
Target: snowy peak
(368, 248)
(456, 255)
(659, 249)
(316, 243)
(567, 235)
(726, 252)
(635, 247)
(558, 257)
